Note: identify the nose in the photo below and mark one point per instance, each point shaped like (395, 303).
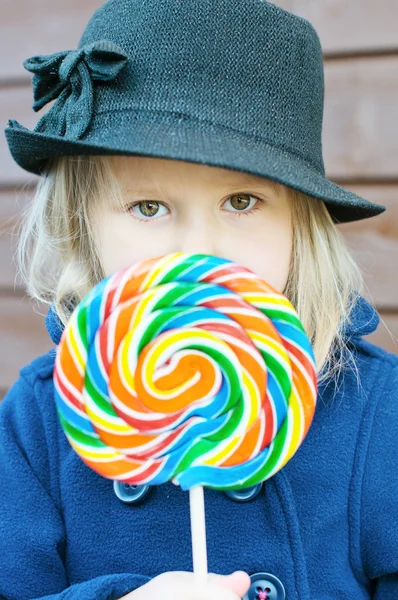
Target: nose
(199, 238)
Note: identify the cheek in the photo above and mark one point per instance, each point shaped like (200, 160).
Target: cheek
(121, 244)
(268, 254)
(115, 244)
(273, 267)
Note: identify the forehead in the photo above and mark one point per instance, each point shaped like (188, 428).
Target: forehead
(139, 172)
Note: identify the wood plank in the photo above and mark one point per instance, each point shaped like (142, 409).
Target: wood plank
(350, 26)
(12, 202)
(342, 26)
(24, 335)
(374, 245)
(360, 136)
(360, 131)
(8, 277)
(385, 224)
(16, 103)
(377, 258)
(26, 33)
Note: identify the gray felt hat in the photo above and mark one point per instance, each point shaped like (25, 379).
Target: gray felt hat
(237, 84)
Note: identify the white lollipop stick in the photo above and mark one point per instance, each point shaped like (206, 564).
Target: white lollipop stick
(198, 531)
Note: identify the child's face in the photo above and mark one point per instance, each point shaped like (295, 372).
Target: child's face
(177, 206)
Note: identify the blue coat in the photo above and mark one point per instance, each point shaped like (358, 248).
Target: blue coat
(325, 527)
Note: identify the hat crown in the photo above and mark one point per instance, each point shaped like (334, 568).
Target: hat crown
(246, 65)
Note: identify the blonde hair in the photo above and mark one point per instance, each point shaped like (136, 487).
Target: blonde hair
(58, 259)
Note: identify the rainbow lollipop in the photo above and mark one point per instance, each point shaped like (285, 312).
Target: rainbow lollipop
(187, 368)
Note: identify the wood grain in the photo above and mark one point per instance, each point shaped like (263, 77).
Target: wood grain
(342, 25)
(350, 25)
(12, 203)
(360, 130)
(374, 244)
(26, 33)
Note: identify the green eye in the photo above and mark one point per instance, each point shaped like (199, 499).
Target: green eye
(148, 209)
(240, 201)
(245, 204)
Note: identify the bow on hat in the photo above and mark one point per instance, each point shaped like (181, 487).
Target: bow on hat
(69, 76)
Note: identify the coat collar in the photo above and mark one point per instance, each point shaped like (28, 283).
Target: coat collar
(364, 320)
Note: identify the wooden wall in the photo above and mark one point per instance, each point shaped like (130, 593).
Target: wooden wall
(360, 142)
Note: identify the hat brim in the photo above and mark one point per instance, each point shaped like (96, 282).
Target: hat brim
(177, 137)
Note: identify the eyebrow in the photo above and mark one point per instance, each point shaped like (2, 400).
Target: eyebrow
(248, 180)
(262, 181)
(259, 182)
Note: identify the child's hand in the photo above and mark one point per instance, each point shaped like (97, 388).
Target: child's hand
(179, 585)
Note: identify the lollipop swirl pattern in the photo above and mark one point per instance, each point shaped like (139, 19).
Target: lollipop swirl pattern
(187, 368)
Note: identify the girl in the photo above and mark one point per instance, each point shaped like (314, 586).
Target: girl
(196, 127)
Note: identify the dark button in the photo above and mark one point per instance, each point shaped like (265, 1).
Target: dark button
(244, 495)
(265, 586)
(131, 494)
